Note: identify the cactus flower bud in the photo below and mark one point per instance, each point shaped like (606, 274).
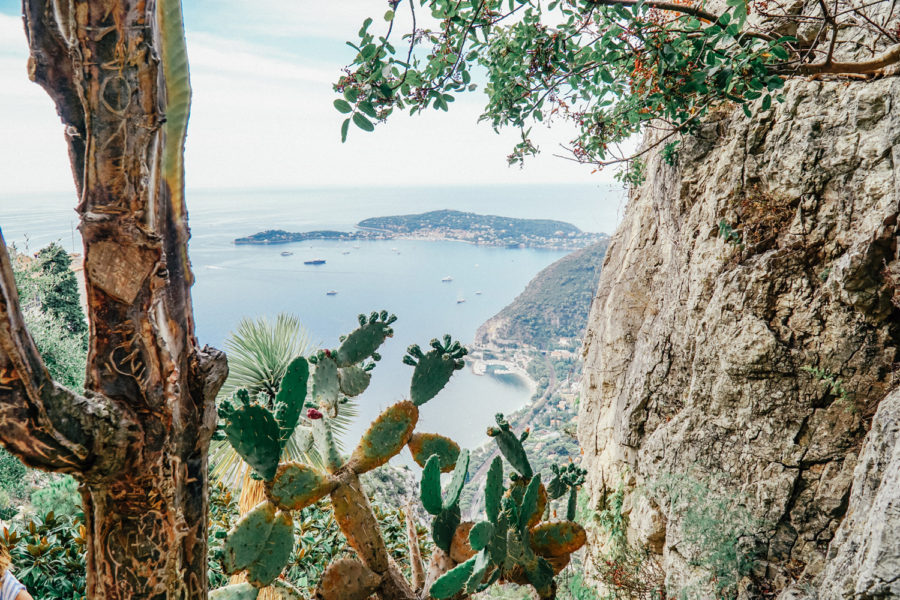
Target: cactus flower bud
(313, 414)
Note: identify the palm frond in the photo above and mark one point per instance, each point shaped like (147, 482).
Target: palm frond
(259, 352)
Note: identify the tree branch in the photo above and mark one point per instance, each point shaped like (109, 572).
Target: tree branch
(51, 35)
(679, 8)
(890, 57)
(43, 423)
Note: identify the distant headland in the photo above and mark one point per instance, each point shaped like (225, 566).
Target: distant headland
(454, 225)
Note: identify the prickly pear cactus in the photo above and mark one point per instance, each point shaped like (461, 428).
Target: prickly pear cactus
(254, 433)
(347, 579)
(434, 368)
(296, 486)
(353, 380)
(260, 543)
(511, 545)
(290, 397)
(423, 445)
(237, 591)
(385, 437)
(511, 446)
(508, 545)
(363, 342)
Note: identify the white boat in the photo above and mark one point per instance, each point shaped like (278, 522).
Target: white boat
(331, 293)
(478, 293)
(286, 253)
(447, 279)
(460, 300)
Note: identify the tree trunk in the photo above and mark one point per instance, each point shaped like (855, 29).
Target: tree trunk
(117, 72)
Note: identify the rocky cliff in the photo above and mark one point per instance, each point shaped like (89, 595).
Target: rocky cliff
(744, 338)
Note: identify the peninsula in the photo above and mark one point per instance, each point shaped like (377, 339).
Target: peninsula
(454, 225)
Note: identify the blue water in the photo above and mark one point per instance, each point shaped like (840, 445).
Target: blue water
(402, 276)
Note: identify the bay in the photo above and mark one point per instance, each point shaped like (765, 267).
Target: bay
(401, 276)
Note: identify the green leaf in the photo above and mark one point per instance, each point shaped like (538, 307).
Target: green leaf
(389, 15)
(362, 122)
(345, 127)
(767, 102)
(367, 108)
(343, 106)
(351, 94)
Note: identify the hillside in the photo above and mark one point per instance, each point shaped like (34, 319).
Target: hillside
(554, 305)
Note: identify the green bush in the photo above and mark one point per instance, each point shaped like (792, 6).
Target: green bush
(48, 556)
(61, 497)
(715, 527)
(12, 482)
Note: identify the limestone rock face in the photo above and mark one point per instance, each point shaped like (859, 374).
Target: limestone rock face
(756, 364)
(864, 557)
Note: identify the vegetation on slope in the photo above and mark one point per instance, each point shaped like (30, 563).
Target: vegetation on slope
(555, 303)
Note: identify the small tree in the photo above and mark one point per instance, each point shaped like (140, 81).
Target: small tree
(137, 440)
(611, 67)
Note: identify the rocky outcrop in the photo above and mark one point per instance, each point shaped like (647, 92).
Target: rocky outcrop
(864, 557)
(755, 362)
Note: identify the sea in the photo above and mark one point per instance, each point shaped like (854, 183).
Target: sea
(404, 277)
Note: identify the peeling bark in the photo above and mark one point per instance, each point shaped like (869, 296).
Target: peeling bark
(139, 438)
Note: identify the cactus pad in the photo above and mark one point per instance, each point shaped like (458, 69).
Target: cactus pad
(253, 432)
(517, 493)
(353, 380)
(260, 542)
(434, 369)
(479, 569)
(460, 471)
(460, 550)
(444, 527)
(325, 381)
(365, 340)
(237, 591)
(511, 447)
(282, 590)
(529, 505)
(453, 581)
(493, 490)
(423, 445)
(386, 437)
(558, 538)
(291, 396)
(480, 535)
(347, 579)
(296, 486)
(431, 497)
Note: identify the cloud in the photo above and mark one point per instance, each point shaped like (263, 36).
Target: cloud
(262, 117)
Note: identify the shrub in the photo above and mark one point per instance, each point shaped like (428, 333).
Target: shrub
(48, 556)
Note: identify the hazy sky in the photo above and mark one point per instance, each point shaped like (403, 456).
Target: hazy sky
(262, 113)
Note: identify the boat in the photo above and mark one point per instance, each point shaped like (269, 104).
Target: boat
(331, 293)
(447, 279)
(315, 261)
(286, 253)
(345, 252)
(478, 293)
(460, 300)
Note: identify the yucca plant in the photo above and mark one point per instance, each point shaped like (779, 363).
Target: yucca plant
(259, 352)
